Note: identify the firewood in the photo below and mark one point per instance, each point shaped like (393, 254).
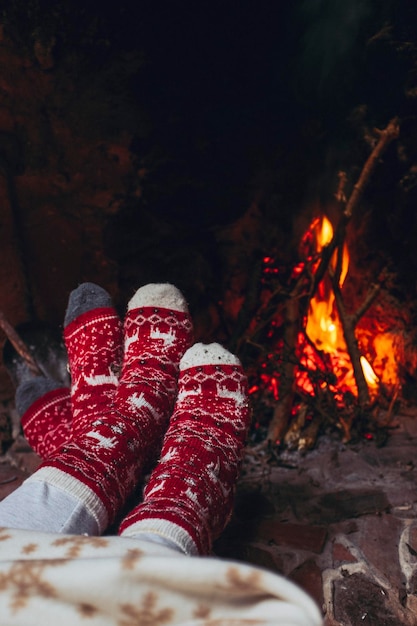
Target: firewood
(279, 422)
(19, 345)
(293, 434)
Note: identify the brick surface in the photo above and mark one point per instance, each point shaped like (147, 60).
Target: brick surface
(298, 536)
(357, 601)
(340, 521)
(341, 554)
(344, 504)
(261, 556)
(308, 576)
(413, 539)
(378, 541)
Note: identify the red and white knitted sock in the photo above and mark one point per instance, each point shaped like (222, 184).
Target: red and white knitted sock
(46, 414)
(189, 497)
(101, 464)
(45, 406)
(157, 332)
(94, 343)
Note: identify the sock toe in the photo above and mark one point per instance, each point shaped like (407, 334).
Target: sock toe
(190, 493)
(207, 354)
(162, 295)
(86, 297)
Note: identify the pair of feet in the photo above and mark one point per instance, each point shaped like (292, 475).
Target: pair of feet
(134, 386)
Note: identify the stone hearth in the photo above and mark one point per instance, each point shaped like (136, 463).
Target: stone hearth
(341, 521)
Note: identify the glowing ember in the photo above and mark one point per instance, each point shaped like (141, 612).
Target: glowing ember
(386, 359)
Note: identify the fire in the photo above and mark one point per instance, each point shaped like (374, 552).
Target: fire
(323, 326)
(370, 376)
(321, 364)
(386, 355)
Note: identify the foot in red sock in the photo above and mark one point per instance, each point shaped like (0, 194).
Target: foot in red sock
(102, 463)
(93, 337)
(157, 332)
(44, 407)
(189, 497)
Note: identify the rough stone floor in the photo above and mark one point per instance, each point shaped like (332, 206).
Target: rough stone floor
(341, 521)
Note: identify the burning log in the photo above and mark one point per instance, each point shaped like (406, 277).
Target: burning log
(282, 412)
(308, 438)
(320, 356)
(349, 322)
(293, 434)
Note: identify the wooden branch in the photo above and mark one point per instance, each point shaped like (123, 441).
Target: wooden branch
(389, 415)
(270, 310)
(308, 438)
(340, 193)
(370, 297)
(19, 345)
(339, 261)
(293, 434)
(248, 308)
(266, 313)
(280, 419)
(348, 326)
(326, 255)
(346, 425)
(349, 323)
(386, 136)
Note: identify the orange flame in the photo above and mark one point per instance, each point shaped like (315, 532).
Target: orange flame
(323, 326)
(370, 376)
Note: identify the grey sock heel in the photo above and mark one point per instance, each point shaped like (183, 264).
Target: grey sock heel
(30, 390)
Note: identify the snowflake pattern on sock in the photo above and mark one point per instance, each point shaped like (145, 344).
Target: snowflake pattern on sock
(94, 344)
(112, 433)
(47, 423)
(193, 486)
(155, 340)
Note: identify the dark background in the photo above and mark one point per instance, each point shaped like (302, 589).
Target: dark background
(227, 112)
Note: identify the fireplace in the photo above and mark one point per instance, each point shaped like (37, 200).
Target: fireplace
(264, 162)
